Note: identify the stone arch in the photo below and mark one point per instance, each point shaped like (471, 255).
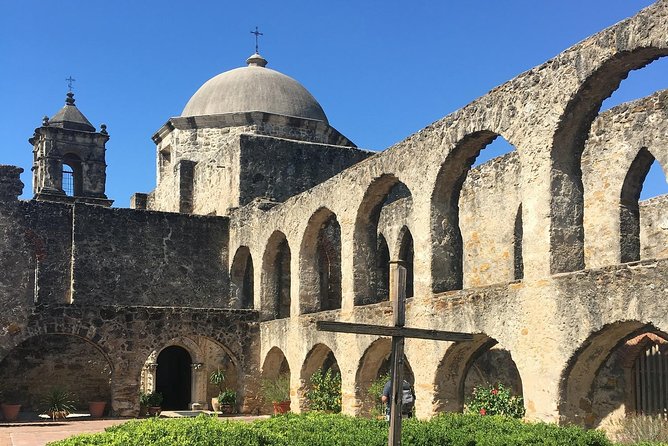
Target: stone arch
(406, 255)
(207, 354)
(319, 357)
(275, 293)
(577, 399)
(374, 363)
(447, 244)
(275, 365)
(320, 263)
(368, 279)
(629, 209)
(468, 364)
(44, 361)
(241, 279)
(566, 197)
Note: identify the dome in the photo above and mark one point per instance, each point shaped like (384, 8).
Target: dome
(254, 88)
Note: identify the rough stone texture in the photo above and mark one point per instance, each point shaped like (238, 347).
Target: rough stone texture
(239, 157)
(593, 261)
(654, 228)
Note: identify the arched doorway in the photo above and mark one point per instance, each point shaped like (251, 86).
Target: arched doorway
(173, 377)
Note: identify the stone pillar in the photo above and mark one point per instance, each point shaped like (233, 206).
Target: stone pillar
(197, 384)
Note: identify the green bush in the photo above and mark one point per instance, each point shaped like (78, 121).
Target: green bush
(319, 429)
(495, 400)
(325, 391)
(375, 392)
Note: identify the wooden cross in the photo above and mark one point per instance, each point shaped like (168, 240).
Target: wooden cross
(257, 36)
(398, 333)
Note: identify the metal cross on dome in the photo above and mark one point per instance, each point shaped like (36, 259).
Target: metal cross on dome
(257, 36)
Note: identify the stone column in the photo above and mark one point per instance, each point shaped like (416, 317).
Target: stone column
(197, 385)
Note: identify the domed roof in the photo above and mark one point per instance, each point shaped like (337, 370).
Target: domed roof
(254, 88)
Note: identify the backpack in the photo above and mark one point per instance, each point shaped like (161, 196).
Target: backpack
(407, 400)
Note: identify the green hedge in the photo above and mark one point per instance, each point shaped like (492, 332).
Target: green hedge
(314, 429)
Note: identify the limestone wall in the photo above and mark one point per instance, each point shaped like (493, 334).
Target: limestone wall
(149, 258)
(278, 168)
(654, 228)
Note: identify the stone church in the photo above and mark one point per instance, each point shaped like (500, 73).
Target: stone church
(266, 219)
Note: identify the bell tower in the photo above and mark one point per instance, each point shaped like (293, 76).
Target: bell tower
(69, 158)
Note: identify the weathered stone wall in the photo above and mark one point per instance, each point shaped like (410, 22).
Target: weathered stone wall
(149, 258)
(232, 167)
(622, 144)
(44, 363)
(277, 169)
(654, 228)
(126, 336)
(488, 208)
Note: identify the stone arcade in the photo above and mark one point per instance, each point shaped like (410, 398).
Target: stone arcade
(265, 219)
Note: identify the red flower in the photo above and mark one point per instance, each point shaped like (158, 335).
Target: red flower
(483, 411)
(495, 391)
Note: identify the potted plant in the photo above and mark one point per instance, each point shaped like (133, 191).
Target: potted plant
(154, 400)
(96, 406)
(143, 403)
(10, 406)
(58, 404)
(227, 399)
(217, 378)
(277, 390)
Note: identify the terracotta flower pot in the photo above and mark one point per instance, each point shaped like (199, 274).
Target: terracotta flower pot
(281, 407)
(154, 411)
(96, 408)
(10, 411)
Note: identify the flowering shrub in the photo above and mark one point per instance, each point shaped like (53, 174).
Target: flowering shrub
(495, 400)
(325, 391)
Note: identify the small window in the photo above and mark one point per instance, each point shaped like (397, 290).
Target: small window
(68, 180)
(72, 181)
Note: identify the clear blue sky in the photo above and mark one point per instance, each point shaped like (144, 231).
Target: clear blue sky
(381, 69)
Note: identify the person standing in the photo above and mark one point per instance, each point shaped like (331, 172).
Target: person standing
(407, 399)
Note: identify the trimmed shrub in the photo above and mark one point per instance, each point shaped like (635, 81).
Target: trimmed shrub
(318, 429)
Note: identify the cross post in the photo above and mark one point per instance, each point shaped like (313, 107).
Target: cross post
(398, 332)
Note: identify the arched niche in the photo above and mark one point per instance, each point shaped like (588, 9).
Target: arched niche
(44, 362)
(566, 197)
(463, 203)
(275, 366)
(276, 278)
(320, 263)
(604, 380)
(320, 357)
(466, 365)
(386, 200)
(241, 278)
(374, 364)
(630, 209)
